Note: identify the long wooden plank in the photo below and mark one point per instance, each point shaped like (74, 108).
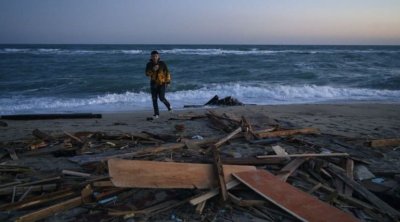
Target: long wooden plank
(288, 170)
(220, 173)
(43, 213)
(283, 133)
(385, 142)
(296, 202)
(214, 192)
(305, 155)
(154, 174)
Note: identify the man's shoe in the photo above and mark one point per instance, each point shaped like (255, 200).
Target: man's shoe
(155, 116)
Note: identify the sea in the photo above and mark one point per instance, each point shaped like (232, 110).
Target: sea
(110, 78)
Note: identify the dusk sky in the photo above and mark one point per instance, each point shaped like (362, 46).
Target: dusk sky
(200, 22)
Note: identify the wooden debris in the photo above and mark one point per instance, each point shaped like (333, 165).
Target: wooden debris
(291, 199)
(154, 174)
(74, 173)
(366, 193)
(384, 143)
(285, 133)
(63, 206)
(220, 173)
(288, 170)
(306, 155)
(212, 193)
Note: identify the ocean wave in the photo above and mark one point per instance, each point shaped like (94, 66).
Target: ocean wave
(58, 51)
(248, 93)
(194, 51)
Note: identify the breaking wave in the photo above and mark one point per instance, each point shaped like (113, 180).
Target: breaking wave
(247, 93)
(191, 51)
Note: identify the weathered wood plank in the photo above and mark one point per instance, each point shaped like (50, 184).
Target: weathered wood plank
(384, 142)
(306, 155)
(154, 174)
(291, 199)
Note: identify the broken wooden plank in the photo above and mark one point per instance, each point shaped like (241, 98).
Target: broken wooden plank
(200, 207)
(245, 203)
(63, 206)
(288, 170)
(384, 142)
(220, 173)
(37, 200)
(366, 193)
(284, 133)
(348, 191)
(306, 155)
(21, 190)
(228, 137)
(252, 161)
(296, 202)
(214, 192)
(74, 173)
(155, 174)
(73, 137)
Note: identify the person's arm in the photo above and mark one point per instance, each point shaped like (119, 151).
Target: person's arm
(149, 70)
(168, 74)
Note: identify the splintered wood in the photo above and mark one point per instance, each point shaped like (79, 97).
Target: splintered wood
(302, 174)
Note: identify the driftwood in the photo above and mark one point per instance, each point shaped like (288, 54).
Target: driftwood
(284, 133)
(384, 143)
(305, 155)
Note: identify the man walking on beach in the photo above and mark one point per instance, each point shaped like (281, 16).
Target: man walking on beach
(160, 78)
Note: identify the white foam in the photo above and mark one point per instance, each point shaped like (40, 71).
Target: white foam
(196, 51)
(253, 93)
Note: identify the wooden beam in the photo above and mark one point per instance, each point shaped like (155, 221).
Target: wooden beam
(284, 133)
(384, 142)
(228, 137)
(305, 155)
(155, 174)
(212, 193)
(288, 170)
(294, 201)
(220, 173)
(348, 191)
(43, 213)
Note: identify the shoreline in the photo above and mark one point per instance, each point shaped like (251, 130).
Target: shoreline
(370, 120)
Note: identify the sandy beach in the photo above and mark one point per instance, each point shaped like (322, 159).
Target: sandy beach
(367, 121)
(344, 128)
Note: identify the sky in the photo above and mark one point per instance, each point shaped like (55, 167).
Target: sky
(331, 22)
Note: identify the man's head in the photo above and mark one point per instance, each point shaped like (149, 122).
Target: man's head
(154, 56)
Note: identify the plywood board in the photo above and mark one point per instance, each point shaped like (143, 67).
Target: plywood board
(155, 174)
(296, 202)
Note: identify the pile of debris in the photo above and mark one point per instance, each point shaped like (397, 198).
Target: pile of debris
(245, 174)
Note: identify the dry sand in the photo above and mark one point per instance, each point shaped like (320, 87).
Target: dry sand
(351, 120)
(352, 123)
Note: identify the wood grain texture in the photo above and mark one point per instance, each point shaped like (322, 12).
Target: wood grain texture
(296, 202)
(155, 174)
